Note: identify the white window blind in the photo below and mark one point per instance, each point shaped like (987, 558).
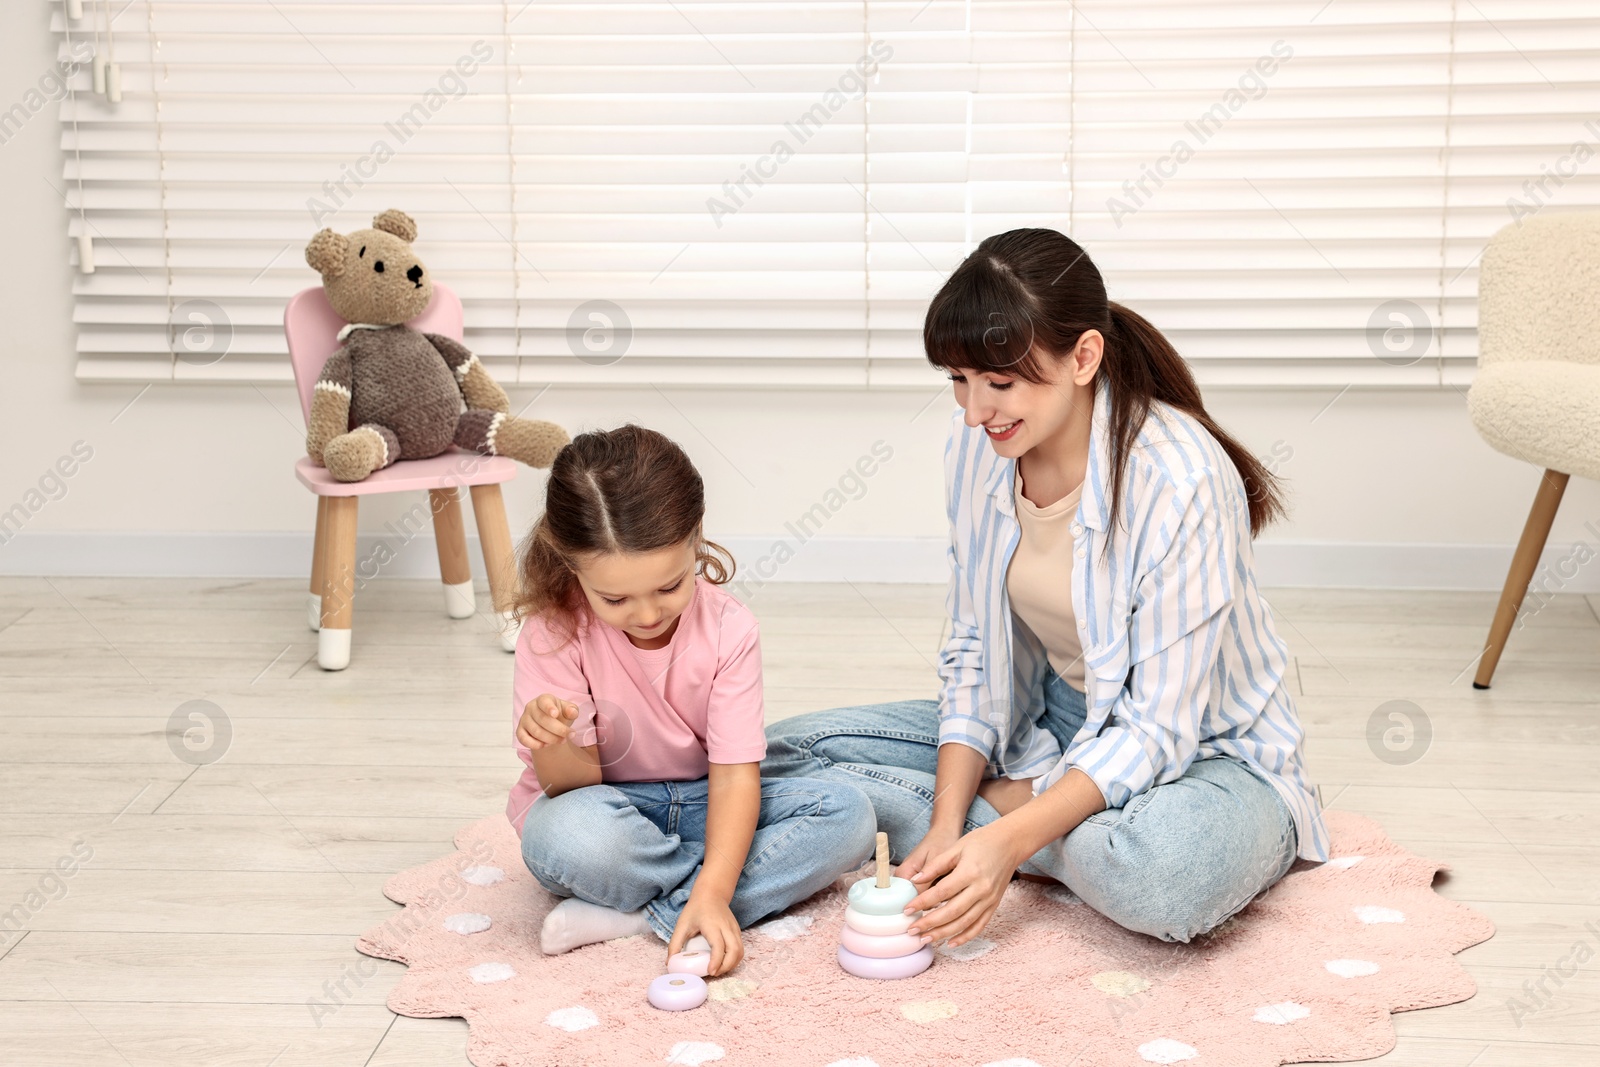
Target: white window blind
(713, 193)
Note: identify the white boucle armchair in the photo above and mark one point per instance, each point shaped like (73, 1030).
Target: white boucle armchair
(1536, 395)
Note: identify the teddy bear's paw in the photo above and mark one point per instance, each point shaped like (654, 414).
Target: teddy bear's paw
(531, 441)
(352, 456)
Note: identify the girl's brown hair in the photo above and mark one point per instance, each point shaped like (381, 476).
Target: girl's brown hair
(627, 490)
(1034, 287)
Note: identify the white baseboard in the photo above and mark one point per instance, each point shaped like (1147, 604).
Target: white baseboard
(1572, 568)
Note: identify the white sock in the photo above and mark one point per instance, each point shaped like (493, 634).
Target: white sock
(573, 923)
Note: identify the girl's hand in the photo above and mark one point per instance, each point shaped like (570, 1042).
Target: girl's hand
(547, 720)
(972, 876)
(712, 919)
(935, 842)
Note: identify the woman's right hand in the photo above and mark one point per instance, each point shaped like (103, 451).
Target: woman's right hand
(937, 841)
(546, 721)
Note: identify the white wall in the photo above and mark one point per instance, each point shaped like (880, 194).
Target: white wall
(1387, 487)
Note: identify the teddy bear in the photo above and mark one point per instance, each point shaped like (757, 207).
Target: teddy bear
(391, 392)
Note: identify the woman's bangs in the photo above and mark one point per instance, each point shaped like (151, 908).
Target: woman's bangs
(981, 327)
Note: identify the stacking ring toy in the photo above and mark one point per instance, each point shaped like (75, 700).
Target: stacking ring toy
(689, 961)
(679, 992)
(885, 947)
(898, 967)
(878, 925)
(882, 895)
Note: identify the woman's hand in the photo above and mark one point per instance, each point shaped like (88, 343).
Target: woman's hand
(712, 919)
(969, 878)
(936, 841)
(546, 721)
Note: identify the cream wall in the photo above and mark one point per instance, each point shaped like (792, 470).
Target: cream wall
(1387, 487)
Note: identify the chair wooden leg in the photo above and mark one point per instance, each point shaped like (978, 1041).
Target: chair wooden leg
(338, 583)
(455, 569)
(1534, 535)
(314, 601)
(494, 535)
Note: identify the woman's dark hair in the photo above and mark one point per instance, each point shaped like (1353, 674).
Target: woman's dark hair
(1024, 292)
(626, 490)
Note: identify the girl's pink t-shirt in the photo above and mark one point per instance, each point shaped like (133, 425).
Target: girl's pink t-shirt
(657, 715)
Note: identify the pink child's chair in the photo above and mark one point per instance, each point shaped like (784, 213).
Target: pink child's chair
(312, 327)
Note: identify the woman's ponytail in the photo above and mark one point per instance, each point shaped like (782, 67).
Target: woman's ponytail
(1142, 366)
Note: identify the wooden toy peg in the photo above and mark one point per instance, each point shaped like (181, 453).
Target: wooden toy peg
(883, 860)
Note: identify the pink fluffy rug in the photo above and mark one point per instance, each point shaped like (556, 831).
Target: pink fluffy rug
(1309, 971)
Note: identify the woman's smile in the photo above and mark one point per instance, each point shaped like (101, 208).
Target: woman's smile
(1003, 431)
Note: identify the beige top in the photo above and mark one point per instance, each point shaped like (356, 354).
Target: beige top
(1039, 580)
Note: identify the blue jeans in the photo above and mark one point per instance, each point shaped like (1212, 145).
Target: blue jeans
(1175, 862)
(632, 845)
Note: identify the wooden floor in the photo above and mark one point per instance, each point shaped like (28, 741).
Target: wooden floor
(217, 899)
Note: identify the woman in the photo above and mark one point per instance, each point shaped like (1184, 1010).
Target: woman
(1114, 713)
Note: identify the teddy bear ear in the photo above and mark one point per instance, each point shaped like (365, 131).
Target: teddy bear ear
(326, 253)
(396, 222)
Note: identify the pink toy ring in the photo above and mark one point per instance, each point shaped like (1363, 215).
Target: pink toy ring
(898, 967)
(878, 925)
(677, 992)
(689, 961)
(881, 947)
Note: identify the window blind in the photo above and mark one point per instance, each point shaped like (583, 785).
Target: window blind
(764, 193)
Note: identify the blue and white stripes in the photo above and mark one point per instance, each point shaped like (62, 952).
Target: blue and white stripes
(1181, 659)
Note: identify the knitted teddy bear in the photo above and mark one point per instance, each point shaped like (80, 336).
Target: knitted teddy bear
(391, 392)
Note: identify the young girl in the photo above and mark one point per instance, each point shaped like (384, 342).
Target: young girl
(638, 712)
(1114, 713)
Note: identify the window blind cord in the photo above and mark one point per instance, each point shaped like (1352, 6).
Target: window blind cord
(99, 53)
(1072, 116)
(85, 242)
(161, 178)
(1444, 208)
(113, 68)
(866, 200)
(508, 64)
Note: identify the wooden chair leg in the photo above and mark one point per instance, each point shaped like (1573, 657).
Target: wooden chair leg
(494, 536)
(338, 583)
(455, 569)
(1534, 535)
(314, 603)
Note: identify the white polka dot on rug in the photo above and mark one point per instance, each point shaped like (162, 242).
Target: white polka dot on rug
(1282, 1014)
(572, 1019)
(1344, 863)
(1351, 968)
(1371, 913)
(790, 926)
(928, 1011)
(467, 922)
(482, 876)
(971, 950)
(1166, 1050)
(484, 973)
(691, 1053)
